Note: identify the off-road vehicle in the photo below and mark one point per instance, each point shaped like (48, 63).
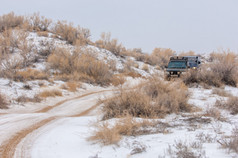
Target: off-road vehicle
(176, 66)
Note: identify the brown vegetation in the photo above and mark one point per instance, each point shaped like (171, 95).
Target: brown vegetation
(10, 21)
(230, 142)
(30, 74)
(110, 44)
(79, 66)
(75, 36)
(223, 70)
(230, 104)
(50, 93)
(155, 99)
(111, 134)
(3, 103)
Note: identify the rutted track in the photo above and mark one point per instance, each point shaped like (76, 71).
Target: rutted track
(8, 147)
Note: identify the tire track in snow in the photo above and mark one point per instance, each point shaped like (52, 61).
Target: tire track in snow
(7, 149)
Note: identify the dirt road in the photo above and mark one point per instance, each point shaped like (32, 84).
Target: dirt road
(18, 130)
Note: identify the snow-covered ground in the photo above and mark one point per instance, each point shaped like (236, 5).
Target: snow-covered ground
(60, 127)
(68, 137)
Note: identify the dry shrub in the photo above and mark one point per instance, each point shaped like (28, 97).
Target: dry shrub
(155, 99)
(118, 80)
(76, 36)
(145, 67)
(230, 104)
(46, 48)
(161, 56)
(128, 102)
(111, 134)
(3, 102)
(215, 113)
(168, 97)
(202, 76)
(230, 142)
(72, 86)
(30, 74)
(24, 99)
(39, 23)
(10, 21)
(50, 93)
(80, 66)
(183, 149)
(109, 44)
(220, 92)
(43, 33)
(223, 70)
(16, 40)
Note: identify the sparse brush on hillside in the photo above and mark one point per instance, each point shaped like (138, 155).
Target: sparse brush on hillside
(223, 70)
(111, 134)
(230, 104)
(74, 35)
(3, 103)
(29, 74)
(161, 56)
(110, 44)
(50, 93)
(10, 20)
(39, 23)
(80, 66)
(155, 99)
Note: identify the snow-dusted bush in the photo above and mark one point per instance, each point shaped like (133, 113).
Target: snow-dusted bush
(29, 74)
(50, 93)
(80, 66)
(155, 99)
(39, 23)
(10, 21)
(110, 44)
(75, 36)
(107, 133)
(230, 104)
(222, 70)
(161, 56)
(3, 103)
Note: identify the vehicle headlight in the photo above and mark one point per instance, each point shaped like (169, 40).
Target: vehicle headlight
(194, 68)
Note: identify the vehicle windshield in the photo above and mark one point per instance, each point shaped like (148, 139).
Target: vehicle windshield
(177, 64)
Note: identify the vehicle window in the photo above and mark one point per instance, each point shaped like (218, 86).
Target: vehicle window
(177, 64)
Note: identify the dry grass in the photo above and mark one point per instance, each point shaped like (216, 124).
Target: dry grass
(3, 102)
(24, 99)
(220, 92)
(214, 113)
(110, 44)
(72, 86)
(111, 134)
(50, 93)
(43, 33)
(118, 80)
(145, 67)
(161, 56)
(223, 70)
(74, 35)
(30, 74)
(230, 104)
(155, 99)
(80, 66)
(182, 149)
(230, 142)
(10, 21)
(39, 23)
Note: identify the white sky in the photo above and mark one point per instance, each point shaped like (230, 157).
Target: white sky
(182, 25)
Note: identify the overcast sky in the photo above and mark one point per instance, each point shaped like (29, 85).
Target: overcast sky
(182, 25)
